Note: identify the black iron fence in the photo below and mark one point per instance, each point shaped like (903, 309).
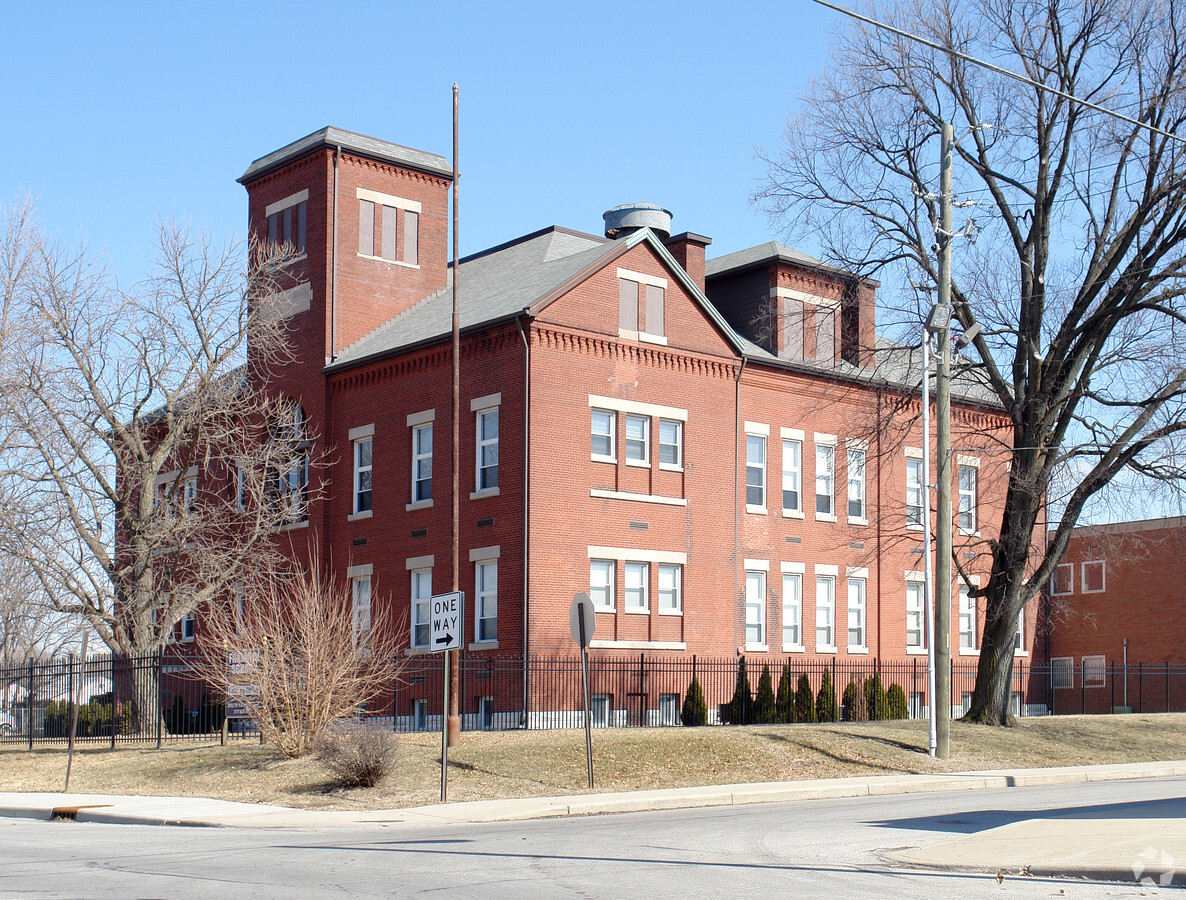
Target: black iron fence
(158, 698)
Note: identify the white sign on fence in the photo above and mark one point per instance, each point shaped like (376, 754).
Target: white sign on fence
(447, 621)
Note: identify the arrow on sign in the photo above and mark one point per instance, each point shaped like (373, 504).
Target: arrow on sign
(446, 638)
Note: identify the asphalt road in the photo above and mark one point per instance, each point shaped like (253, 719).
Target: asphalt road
(820, 848)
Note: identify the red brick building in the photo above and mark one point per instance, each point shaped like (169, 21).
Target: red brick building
(721, 452)
(1115, 608)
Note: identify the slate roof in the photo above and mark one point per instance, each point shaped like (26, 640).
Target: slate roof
(518, 277)
(771, 251)
(356, 143)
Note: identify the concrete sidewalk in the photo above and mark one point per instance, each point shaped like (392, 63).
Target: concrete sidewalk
(1101, 849)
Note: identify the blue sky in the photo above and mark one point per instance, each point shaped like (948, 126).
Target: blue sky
(117, 115)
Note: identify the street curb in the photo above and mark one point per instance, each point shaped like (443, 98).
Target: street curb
(200, 812)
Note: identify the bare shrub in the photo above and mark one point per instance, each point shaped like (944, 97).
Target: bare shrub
(298, 655)
(358, 754)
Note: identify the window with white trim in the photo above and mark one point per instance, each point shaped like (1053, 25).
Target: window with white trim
(755, 472)
(638, 440)
(1091, 576)
(967, 622)
(190, 503)
(486, 600)
(856, 484)
(360, 597)
(421, 607)
(916, 629)
(240, 488)
(422, 463)
(189, 627)
(1094, 671)
(825, 480)
(755, 608)
(601, 584)
(856, 614)
(1063, 580)
(363, 468)
(291, 485)
(669, 709)
(1062, 672)
(825, 613)
(792, 475)
(792, 611)
(388, 227)
(487, 455)
(967, 499)
(604, 424)
(671, 587)
(240, 610)
(671, 444)
(914, 491)
(1019, 641)
(641, 301)
(637, 583)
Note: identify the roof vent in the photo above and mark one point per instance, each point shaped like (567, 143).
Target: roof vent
(629, 217)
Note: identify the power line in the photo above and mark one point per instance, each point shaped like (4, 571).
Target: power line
(1000, 71)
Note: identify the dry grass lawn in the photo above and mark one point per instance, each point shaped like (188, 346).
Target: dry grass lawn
(488, 765)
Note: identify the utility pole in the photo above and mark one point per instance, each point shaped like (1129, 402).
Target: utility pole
(453, 672)
(943, 537)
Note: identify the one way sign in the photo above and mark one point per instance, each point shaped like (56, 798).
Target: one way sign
(447, 620)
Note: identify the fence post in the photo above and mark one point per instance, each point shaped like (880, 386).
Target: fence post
(160, 659)
(1167, 686)
(29, 704)
(395, 696)
(835, 704)
(1112, 683)
(1050, 685)
(113, 693)
(1082, 687)
(1141, 686)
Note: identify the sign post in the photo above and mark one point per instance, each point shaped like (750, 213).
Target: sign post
(583, 622)
(447, 627)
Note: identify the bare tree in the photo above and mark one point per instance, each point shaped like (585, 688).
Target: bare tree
(144, 467)
(300, 650)
(1077, 278)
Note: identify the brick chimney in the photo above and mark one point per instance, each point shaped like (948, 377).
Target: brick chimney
(688, 250)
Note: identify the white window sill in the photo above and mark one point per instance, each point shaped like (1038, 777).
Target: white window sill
(968, 651)
(419, 504)
(358, 516)
(604, 459)
(911, 526)
(484, 493)
(187, 640)
(390, 262)
(602, 494)
(793, 648)
(483, 645)
(637, 612)
(1021, 653)
(668, 467)
(757, 648)
(852, 521)
(652, 338)
(671, 612)
(792, 514)
(1085, 591)
(969, 533)
(824, 517)
(916, 651)
(300, 257)
(638, 463)
(755, 510)
(418, 651)
(294, 526)
(604, 609)
(825, 649)
(859, 651)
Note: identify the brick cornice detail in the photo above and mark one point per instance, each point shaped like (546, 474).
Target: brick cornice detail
(653, 356)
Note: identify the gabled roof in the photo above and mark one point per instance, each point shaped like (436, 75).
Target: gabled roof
(518, 278)
(771, 252)
(354, 142)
